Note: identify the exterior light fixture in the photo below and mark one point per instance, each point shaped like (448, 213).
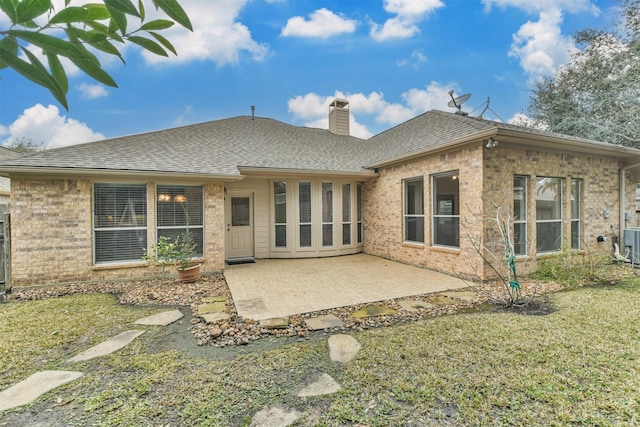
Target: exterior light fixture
(492, 143)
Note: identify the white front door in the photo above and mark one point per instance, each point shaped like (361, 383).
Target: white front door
(239, 225)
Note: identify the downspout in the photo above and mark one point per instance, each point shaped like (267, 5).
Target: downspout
(622, 222)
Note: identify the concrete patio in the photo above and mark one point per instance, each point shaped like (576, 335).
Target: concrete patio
(283, 287)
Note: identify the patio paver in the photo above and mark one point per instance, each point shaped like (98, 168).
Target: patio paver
(279, 288)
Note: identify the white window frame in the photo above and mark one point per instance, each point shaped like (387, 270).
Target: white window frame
(453, 175)
(520, 223)
(347, 213)
(166, 193)
(119, 218)
(407, 216)
(576, 217)
(559, 221)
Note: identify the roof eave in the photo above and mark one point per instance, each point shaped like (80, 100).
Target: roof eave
(8, 171)
(430, 150)
(552, 141)
(266, 171)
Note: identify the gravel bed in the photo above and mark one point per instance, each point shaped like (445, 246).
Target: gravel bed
(238, 331)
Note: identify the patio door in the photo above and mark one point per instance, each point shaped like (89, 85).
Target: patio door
(239, 225)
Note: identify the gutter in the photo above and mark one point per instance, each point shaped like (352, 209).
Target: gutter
(622, 223)
(266, 171)
(7, 171)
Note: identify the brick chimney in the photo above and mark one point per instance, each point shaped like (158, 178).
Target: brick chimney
(339, 117)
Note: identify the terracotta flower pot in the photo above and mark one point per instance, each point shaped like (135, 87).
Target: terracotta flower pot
(189, 274)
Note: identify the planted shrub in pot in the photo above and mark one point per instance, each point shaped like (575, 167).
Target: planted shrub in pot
(179, 252)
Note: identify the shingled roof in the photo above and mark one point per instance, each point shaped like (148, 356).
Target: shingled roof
(217, 149)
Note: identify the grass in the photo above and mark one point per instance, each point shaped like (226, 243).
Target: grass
(577, 365)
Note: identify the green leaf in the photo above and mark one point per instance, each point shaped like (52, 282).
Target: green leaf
(158, 24)
(94, 71)
(87, 36)
(46, 42)
(142, 11)
(69, 15)
(107, 47)
(28, 10)
(97, 11)
(174, 11)
(164, 42)
(103, 29)
(124, 6)
(9, 8)
(57, 72)
(9, 46)
(118, 19)
(149, 45)
(34, 74)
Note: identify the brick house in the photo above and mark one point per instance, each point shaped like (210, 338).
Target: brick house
(250, 187)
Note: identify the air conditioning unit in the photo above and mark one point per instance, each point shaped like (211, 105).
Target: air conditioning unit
(632, 241)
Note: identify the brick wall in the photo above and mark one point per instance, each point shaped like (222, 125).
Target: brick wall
(383, 212)
(486, 184)
(51, 232)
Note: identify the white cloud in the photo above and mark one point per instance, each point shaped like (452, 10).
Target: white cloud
(45, 124)
(572, 6)
(217, 35)
(408, 14)
(323, 23)
(540, 46)
(313, 109)
(416, 59)
(92, 91)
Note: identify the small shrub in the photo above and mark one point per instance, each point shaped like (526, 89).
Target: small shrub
(573, 269)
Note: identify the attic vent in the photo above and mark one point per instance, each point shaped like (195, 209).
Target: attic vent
(339, 117)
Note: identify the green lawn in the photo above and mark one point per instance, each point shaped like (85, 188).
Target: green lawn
(576, 366)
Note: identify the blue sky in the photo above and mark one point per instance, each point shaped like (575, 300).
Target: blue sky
(392, 59)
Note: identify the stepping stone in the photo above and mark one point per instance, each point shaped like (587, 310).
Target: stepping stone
(214, 299)
(343, 348)
(161, 319)
(214, 317)
(443, 300)
(462, 295)
(373, 311)
(323, 322)
(211, 307)
(275, 323)
(414, 305)
(324, 384)
(35, 386)
(275, 417)
(107, 347)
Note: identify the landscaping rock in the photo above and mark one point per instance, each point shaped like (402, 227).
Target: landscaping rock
(161, 319)
(214, 317)
(107, 347)
(33, 387)
(461, 295)
(275, 417)
(414, 305)
(275, 323)
(373, 311)
(343, 348)
(323, 384)
(327, 321)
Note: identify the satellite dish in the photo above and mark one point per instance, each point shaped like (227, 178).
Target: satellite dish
(458, 100)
